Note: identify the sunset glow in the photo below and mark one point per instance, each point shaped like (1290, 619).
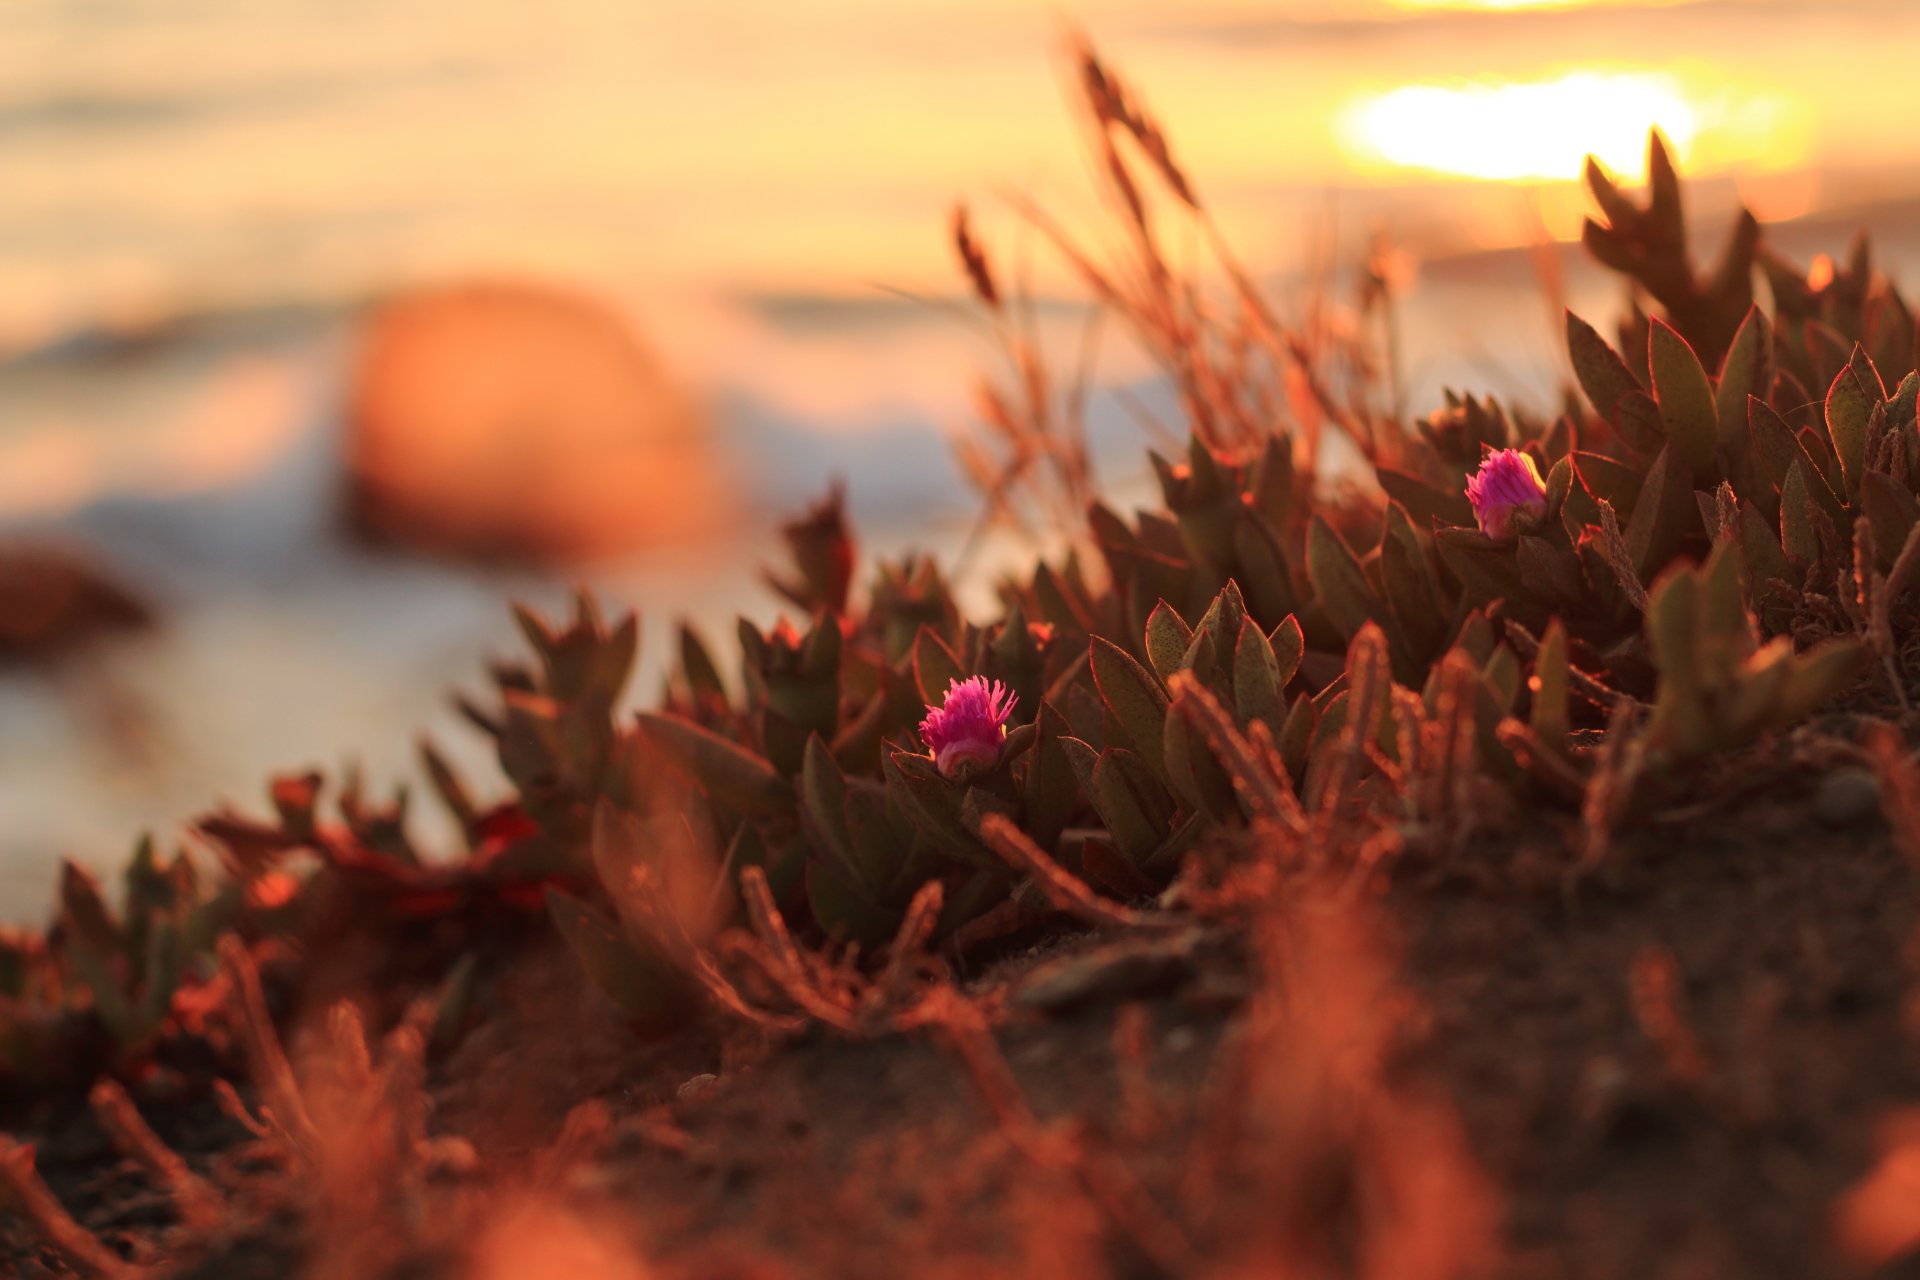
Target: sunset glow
(1504, 6)
(1508, 132)
(1545, 129)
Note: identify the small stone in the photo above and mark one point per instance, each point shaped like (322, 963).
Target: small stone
(1125, 969)
(697, 1089)
(1847, 797)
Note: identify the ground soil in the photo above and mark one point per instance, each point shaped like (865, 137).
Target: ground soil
(1677, 1066)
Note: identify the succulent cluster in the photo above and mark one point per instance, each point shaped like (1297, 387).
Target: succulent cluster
(1562, 611)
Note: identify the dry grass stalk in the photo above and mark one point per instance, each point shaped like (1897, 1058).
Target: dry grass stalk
(1609, 790)
(28, 1195)
(1899, 776)
(1064, 890)
(1613, 545)
(1309, 1159)
(1660, 1006)
(961, 1027)
(283, 1111)
(1253, 763)
(200, 1204)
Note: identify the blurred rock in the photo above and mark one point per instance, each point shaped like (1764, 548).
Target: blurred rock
(519, 422)
(54, 599)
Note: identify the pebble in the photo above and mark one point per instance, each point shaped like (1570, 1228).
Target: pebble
(1847, 797)
(696, 1089)
(1122, 969)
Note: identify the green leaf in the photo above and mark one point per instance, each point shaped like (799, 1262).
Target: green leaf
(1413, 591)
(1747, 371)
(1423, 501)
(934, 806)
(1256, 678)
(1298, 734)
(1168, 636)
(823, 809)
(1194, 774)
(730, 773)
(1050, 790)
(1131, 802)
(1662, 516)
(1724, 637)
(1338, 580)
(1851, 398)
(1797, 531)
(641, 986)
(1608, 480)
(1685, 398)
(1289, 646)
(1817, 676)
(84, 911)
(1551, 672)
(698, 668)
(843, 911)
(1263, 566)
(1762, 561)
(1603, 375)
(1892, 511)
(1271, 485)
(1680, 711)
(935, 666)
(880, 838)
(1904, 402)
(1134, 697)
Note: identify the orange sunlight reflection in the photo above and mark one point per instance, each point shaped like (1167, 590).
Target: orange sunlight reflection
(1545, 129)
(1531, 4)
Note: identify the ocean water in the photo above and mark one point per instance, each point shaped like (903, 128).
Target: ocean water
(199, 200)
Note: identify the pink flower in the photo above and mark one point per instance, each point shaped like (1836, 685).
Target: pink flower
(1507, 486)
(969, 725)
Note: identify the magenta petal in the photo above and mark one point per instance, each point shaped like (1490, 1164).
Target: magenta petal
(1507, 486)
(969, 725)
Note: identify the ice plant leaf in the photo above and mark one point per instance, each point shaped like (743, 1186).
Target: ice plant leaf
(1816, 676)
(639, 985)
(1424, 502)
(1549, 686)
(1661, 516)
(1680, 716)
(730, 772)
(1263, 565)
(823, 803)
(1168, 636)
(1892, 511)
(1196, 777)
(1850, 401)
(1762, 563)
(1256, 678)
(698, 668)
(1905, 401)
(1608, 480)
(1131, 802)
(1686, 401)
(1345, 594)
(1797, 533)
(1134, 697)
(844, 910)
(1289, 645)
(1050, 792)
(935, 666)
(933, 805)
(1746, 372)
(1603, 375)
